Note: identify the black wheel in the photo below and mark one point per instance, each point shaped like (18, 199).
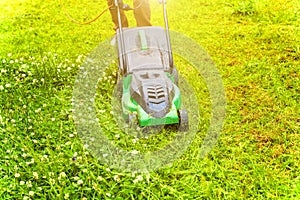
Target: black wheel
(132, 121)
(183, 121)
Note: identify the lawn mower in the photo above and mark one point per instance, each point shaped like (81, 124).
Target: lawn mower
(147, 75)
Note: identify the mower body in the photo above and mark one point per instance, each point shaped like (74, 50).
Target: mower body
(150, 95)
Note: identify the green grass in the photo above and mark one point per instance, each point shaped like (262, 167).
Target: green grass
(255, 45)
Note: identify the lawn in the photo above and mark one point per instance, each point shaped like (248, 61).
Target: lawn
(255, 46)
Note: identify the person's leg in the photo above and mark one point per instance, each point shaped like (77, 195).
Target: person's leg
(114, 15)
(143, 13)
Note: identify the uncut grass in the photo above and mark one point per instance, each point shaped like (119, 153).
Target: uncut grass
(256, 156)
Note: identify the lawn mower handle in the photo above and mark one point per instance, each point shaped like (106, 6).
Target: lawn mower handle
(121, 6)
(122, 59)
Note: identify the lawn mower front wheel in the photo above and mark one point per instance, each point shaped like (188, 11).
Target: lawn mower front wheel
(183, 120)
(132, 121)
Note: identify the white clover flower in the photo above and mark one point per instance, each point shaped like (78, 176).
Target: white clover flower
(35, 175)
(117, 178)
(28, 183)
(135, 181)
(45, 157)
(100, 178)
(51, 173)
(80, 182)
(133, 173)
(9, 54)
(66, 196)
(3, 71)
(7, 85)
(31, 193)
(38, 110)
(52, 181)
(84, 170)
(62, 174)
(53, 119)
(108, 194)
(3, 61)
(11, 61)
(75, 154)
(22, 182)
(134, 152)
(17, 175)
(76, 178)
(1, 87)
(79, 58)
(134, 140)
(138, 179)
(68, 143)
(105, 155)
(117, 136)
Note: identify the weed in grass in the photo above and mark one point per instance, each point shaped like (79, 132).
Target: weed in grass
(244, 8)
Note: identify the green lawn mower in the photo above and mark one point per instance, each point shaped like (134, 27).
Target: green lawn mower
(147, 76)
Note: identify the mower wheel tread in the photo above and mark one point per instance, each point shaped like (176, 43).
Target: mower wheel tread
(183, 120)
